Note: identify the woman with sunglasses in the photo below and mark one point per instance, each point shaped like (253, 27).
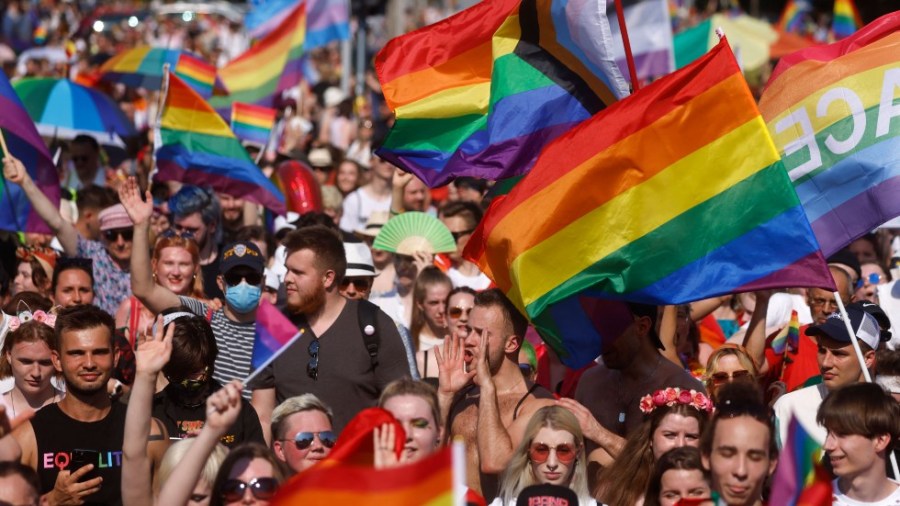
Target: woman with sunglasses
(302, 431)
(460, 302)
(551, 452)
(672, 418)
(249, 475)
(727, 364)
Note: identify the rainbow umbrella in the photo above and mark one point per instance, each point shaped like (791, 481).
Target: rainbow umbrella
(142, 67)
(63, 109)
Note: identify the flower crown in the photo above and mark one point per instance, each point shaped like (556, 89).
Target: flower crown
(674, 395)
(26, 316)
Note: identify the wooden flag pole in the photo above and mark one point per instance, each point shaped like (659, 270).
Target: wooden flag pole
(632, 71)
(3, 144)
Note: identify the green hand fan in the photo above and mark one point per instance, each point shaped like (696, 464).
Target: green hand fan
(410, 232)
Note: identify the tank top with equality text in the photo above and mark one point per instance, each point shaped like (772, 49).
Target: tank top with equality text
(57, 435)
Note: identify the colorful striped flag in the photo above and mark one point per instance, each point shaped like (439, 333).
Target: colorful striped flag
(482, 92)
(142, 67)
(274, 333)
(196, 73)
(789, 337)
(426, 482)
(793, 17)
(252, 123)
(327, 20)
(194, 145)
(800, 478)
(833, 116)
(846, 19)
(272, 65)
(682, 221)
(650, 34)
(24, 143)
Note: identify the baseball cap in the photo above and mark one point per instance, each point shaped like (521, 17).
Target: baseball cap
(540, 495)
(864, 325)
(242, 253)
(884, 323)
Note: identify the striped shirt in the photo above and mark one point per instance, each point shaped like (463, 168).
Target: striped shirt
(235, 342)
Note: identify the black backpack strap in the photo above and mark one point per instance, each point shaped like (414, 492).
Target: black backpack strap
(368, 326)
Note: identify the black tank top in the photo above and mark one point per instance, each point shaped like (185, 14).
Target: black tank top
(57, 435)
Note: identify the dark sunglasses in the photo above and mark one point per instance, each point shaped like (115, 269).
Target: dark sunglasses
(304, 440)
(540, 452)
(112, 234)
(457, 311)
(361, 284)
(234, 277)
(312, 368)
(261, 488)
(184, 230)
(461, 233)
(723, 377)
(171, 232)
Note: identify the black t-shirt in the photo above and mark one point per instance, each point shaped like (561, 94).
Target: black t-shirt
(346, 382)
(210, 272)
(182, 421)
(57, 435)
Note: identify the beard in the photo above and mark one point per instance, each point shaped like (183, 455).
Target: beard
(309, 302)
(86, 391)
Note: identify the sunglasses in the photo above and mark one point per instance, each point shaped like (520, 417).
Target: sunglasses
(457, 311)
(361, 284)
(112, 234)
(461, 233)
(873, 279)
(540, 452)
(171, 232)
(312, 368)
(724, 377)
(234, 277)
(261, 488)
(185, 230)
(304, 440)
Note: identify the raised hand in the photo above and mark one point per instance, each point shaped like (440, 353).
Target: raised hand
(153, 350)
(422, 260)
(385, 440)
(483, 377)
(589, 425)
(223, 407)
(139, 210)
(452, 374)
(401, 179)
(13, 170)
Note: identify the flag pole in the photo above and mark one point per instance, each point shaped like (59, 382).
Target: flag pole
(157, 134)
(271, 359)
(458, 449)
(632, 71)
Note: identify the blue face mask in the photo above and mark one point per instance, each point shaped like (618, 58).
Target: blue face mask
(243, 298)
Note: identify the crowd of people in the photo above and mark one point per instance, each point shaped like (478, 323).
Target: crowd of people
(128, 332)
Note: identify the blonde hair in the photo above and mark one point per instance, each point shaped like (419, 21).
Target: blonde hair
(519, 473)
(712, 365)
(176, 452)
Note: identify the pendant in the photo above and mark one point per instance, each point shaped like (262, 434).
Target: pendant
(622, 417)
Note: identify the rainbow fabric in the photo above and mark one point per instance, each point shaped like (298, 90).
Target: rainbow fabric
(800, 479)
(788, 337)
(252, 123)
(274, 332)
(793, 16)
(143, 67)
(830, 114)
(427, 482)
(195, 146)
(846, 19)
(25, 143)
(327, 20)
(482, 92)
(271, 66)
(667, 225)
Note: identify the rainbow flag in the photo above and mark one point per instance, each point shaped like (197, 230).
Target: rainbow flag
(142, 67)
(272, 65)
(482, 92)
(789, 337)
(427, 482)
(846, 19)
(667, 225)
(793, 17)
(274, 333)
(327, 20)
(196, 73)
(194, 145)
(829, 111)
(800, 479)
(252, 123)
(25, 143)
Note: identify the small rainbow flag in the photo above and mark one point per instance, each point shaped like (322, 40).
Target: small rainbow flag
(793, 17)
(274, 333)
(194, 145)
(427, 482)
(196, 73)
(25, 143)
(624, 239)
(789, 337)
(142, 67)
(800, 478)
(846, 19)
(252, 123)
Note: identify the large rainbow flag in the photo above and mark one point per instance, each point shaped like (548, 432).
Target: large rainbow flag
(604, 215)
(833, 116)
(194, 145)
(482, 92)
(25, 143)
(800, 479)
(846, 19)
(272, 65)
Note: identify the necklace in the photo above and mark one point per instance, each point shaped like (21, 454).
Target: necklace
(624, 407)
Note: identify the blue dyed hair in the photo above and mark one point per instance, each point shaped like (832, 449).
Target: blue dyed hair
(193, 199)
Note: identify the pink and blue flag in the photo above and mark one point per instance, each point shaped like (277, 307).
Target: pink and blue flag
(274, 333)
(327, 20)
(24, 143)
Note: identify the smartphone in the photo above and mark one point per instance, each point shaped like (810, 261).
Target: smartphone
(81, 458)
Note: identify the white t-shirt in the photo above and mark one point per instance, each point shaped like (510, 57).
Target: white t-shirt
(840, 499)
(802, 404)
(358, 206)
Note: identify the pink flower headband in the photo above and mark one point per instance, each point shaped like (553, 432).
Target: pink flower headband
(26, 316)
(672, 396)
